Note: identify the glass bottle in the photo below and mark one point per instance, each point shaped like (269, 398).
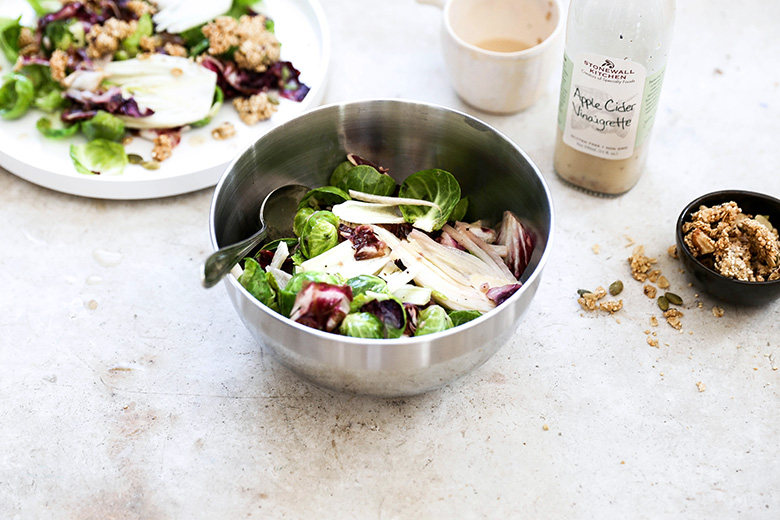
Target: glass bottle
(614, 62)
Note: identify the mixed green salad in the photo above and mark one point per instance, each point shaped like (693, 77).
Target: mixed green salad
(109, 70)
(372, 259)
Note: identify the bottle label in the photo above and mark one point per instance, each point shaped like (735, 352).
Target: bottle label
(601, 102)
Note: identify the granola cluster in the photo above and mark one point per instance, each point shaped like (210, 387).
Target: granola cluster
(590, 301)
(255, 108)
(103, 40)
(733, 243)
(256, 48)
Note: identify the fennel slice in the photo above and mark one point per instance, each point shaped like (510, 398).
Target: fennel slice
(359, 212)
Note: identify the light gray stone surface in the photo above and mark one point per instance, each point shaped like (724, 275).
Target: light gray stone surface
(128, 391)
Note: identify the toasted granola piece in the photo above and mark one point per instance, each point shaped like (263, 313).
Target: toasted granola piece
(589, 301)
(652, 342)
(140, 8)
(662, 282)
(673, 318)
(163, 147)
(222, 34)
(701, 387)
(733, 259)
(28, 44)
(103, 40)
(611, 306)
(255, 108)
(650, 291)
(150, 43)
(718, 311)
(58, 64)
(224, 131)
(672, 250)
(174, 49)
(258, 47)
(699, 243)
(640, 264)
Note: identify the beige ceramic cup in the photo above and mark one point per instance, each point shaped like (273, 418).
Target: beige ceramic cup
(500, 54)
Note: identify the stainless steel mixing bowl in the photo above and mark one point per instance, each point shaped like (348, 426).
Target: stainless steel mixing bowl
(406, 137)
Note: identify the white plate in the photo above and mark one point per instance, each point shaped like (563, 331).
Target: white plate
(199, 161)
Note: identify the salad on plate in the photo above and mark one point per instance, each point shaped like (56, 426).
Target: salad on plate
(374, 259)
(114, 70)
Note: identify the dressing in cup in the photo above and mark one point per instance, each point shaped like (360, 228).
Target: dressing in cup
(500, 54)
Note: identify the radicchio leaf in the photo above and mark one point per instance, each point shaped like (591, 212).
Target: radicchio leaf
(518, 241)
(321, 305)
(412, 317)
(366, 244)
(390, 312)
(86, 104)
(500, 294)
(237, 82)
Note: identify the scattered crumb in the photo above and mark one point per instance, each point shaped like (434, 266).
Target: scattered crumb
(631, 241)
(224, 131)
(672, 251)
(652, 342)
(653, 275)
(163, 147)
(611, 306)
(673, 318)
(650, 291)
(595, 249)
(545, 427)
(647, 332)
(701, 387)
(640, 264)
(127, 140)
(176, 72)
(718, 312)
(653, 321)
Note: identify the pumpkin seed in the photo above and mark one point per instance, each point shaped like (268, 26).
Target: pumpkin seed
(673, 298)
(616, 288)
(663, 303)
(583, 292)
(134, 158)
(151, 165)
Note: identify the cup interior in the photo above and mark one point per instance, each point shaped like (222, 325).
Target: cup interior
(504, 26)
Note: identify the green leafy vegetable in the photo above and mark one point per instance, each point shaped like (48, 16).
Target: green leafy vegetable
(16, 96)
(45, 126)
(365, 288)
(64, 34)
(319, 233)
(274, 244)
(44, 7)
(434, 185)
(323, 198)
(459, 211)
(340, 172)
(293, 287)
(99, 157)
(461, 317)
(9, 37)
(103, 126)
(301, 216)
(433, 319)
(258, 283)
(362, 325)
(145, 28)
(367, 179)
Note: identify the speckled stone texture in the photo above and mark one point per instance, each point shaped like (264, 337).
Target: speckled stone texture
(128, 391)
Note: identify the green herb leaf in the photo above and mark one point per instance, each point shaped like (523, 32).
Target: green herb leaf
(99, 157)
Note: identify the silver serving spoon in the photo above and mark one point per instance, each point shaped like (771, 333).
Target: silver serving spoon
(276, 219)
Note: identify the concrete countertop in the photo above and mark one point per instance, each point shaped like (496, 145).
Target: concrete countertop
(128, 391)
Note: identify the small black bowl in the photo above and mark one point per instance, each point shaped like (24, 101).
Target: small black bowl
(729, 290)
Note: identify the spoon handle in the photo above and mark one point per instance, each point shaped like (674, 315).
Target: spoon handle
(219, 263)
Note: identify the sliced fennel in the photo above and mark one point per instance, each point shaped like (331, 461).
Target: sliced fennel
(178, 90)
(341, 260)
(176, 16)
(358, 212)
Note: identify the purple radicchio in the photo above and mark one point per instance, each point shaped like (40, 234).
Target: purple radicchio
(501, 294)
(391, 313)
(518, 241)
(237, 82)
(321, 305)
(86, 104)
(366, 244)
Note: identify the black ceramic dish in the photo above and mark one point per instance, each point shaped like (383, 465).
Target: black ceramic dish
(729, 290)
